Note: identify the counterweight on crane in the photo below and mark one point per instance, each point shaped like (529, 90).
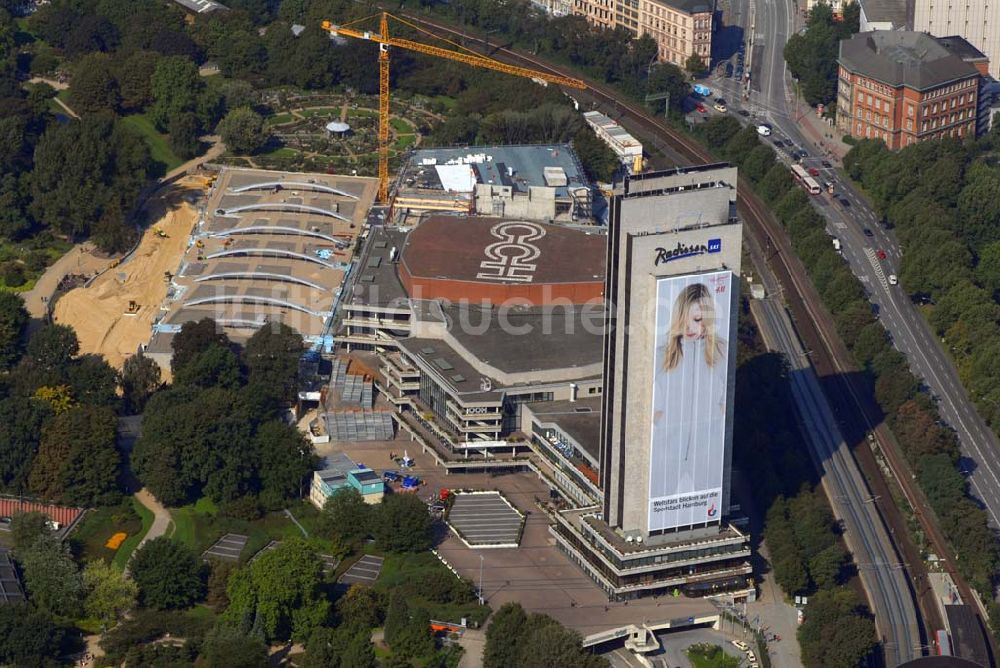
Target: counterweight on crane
(383, 39)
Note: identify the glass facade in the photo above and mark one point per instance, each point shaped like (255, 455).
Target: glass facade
(512, 409)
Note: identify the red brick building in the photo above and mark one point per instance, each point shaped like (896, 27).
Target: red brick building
(903, 87)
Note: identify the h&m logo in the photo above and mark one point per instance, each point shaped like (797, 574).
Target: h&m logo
(683, 250)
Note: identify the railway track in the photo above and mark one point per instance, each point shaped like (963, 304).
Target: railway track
(829, 355)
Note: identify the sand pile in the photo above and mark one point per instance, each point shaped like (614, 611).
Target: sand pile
(99, 313)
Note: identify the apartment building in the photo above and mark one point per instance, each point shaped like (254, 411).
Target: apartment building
(903, 87)
(977, 22)
(680, 28)
(600, 13)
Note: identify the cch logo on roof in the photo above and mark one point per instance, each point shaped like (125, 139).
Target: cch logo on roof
(682, 251)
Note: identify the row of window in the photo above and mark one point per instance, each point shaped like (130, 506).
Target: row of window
(878, 104)
(659, 10)
(948, 90)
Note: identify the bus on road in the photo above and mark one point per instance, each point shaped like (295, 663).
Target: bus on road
(808, 182)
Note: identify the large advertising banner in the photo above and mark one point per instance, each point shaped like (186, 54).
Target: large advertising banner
(690, 375)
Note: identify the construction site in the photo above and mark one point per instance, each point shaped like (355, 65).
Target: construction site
(114, 313)
(268, 247)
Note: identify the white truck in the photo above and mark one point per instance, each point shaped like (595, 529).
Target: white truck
(836, 244)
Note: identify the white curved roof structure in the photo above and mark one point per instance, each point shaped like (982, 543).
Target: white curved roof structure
(282, 206)
(301, 185)
(253, 299)
(337, 126)
(275, 229)
(259, 275)
(278, 252)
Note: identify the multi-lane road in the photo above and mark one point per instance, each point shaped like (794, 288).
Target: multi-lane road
(851, 219)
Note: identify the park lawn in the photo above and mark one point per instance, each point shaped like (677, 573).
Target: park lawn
(405, 567)
(281, 153)
(404, 142)
(99, 525)
(200, 525)
(320, 111)
(400, 126)
(128, 547)
(54, 249)
(278, 119)
(158, 148)
(447, 101)
(719, 660)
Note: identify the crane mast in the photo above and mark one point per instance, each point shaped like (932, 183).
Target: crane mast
(384, 40)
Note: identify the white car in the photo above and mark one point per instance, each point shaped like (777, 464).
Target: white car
(764, 130)
(751, 657)
(740, 645)
(893, 280)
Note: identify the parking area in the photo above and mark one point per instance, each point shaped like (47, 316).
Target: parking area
(485, 519)
(227, 548)
(364, 571)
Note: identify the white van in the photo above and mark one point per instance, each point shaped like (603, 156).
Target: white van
(764, 130)
(893, 280)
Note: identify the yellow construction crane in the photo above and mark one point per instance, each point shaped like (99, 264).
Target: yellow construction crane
(463, 56)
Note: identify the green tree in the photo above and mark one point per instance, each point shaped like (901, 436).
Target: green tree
(551, 644)
(758, 163)
(13, 319)
(140, 379)
(360, 607)
(94, 85)
(52, 347)
(825, 567)
(285, 459)
(28, 637)
(86, 175)
(837, 632)
(168, 574)
(988, 267)
(77, 461)
(242, 130)
(27, 528)
(325, 648)
(719, 130)
(360, 652)
(108, 594)
(51, 577)
(216, 366)
(503, 635)
(597, 158)
(740, 146)
(402, 524)
(226, 647)
(695, 65)
(397, 616)
(134, 78)
(21, 423)
(516, 639)
(184, 130)
(272, 356)
(195, 337)
(93, 381)
(176, 87)
(279, 593)
(346, 515)
(668, 78)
